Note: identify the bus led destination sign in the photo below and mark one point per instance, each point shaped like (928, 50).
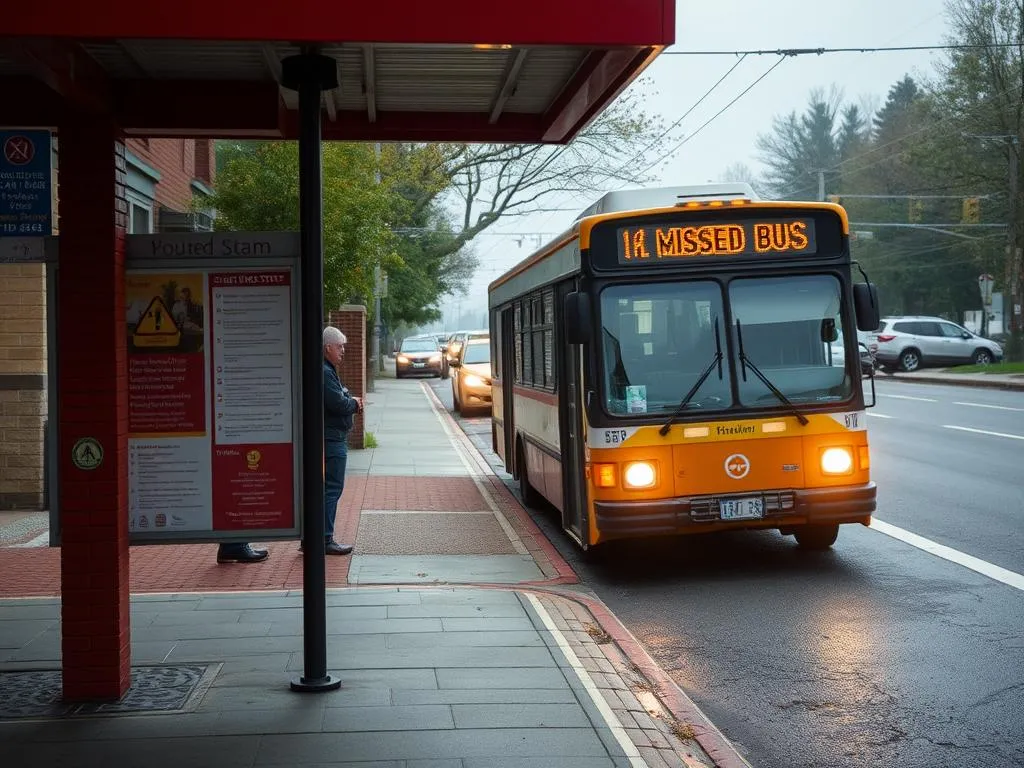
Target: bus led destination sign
(649, 243)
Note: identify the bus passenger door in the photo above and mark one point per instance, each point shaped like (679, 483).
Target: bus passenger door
(570, 403)
(508, 378)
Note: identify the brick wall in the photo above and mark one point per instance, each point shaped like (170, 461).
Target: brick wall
(176, 161)
(22, 385)
(351, 320)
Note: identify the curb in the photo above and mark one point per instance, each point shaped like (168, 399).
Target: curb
(674, 699)
(975, 383)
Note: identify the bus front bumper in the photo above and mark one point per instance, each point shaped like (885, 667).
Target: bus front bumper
(783, 509)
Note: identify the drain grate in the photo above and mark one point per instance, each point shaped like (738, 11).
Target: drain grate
(157, 689)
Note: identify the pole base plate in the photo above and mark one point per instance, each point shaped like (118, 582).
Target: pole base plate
(328, 683)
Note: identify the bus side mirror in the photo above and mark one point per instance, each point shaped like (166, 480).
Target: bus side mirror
(865, 304)
(577, 317)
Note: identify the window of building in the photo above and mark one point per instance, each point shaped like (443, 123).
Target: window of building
(140, 218)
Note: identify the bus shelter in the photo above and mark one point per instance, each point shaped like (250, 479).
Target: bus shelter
(404, 70)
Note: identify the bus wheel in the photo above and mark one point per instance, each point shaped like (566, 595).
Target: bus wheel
(531, 497)
(816, 536)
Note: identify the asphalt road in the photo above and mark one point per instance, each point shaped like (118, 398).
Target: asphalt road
(876, 653)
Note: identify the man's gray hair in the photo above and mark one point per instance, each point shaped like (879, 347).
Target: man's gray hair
(333, 336)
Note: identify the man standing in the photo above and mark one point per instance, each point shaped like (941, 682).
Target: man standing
(339, 407)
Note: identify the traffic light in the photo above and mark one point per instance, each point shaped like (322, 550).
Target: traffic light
(916, 210)
(972, 210)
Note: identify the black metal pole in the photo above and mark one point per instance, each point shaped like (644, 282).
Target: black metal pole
(310, 74)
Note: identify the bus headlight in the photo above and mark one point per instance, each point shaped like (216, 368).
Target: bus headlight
(639, 474)
(836, 461)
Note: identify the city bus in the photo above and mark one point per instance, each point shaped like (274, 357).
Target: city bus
(685, 360)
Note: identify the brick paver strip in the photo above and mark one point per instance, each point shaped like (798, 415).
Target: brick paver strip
(423, 493)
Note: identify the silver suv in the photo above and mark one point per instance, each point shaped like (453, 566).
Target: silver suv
(909, 343)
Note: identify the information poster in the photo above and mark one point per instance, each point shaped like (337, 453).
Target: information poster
(211, 401)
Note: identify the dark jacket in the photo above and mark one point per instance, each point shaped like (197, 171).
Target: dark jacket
(339, 406)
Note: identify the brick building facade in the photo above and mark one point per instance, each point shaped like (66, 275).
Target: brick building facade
(166, 182)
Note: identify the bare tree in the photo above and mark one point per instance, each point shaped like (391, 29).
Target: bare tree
(491, 181)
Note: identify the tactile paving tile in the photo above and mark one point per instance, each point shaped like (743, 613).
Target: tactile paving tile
(431, 533)
(37, 693)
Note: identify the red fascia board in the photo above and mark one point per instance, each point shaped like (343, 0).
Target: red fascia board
(602, 77)
(428, 126)
(522, 22)
(202, 108)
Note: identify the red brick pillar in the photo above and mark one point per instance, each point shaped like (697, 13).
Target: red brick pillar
(93, 396)
(351, 320)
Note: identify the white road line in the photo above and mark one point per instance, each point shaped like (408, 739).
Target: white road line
(1002, 575)
(628, 747)
(984, 432)
(878, 415)
(909, 397)
(994, 407)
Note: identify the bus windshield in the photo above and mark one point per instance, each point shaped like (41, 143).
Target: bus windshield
(790, 327)
(658, 339)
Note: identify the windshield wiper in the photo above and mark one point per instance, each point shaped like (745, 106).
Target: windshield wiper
(716, 360)
(746, 363)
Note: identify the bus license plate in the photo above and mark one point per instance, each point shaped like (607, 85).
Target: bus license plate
(741, 509)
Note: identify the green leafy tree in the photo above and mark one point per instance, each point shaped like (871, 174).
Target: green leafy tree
(257, 189)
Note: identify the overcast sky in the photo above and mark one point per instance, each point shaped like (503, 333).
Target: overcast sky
(674, 83)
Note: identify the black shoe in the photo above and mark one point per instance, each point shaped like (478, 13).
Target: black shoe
(245, 554)
(334, 548)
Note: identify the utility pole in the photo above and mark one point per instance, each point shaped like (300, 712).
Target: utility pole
(377, 362)
(1016, 268)
(821, 186)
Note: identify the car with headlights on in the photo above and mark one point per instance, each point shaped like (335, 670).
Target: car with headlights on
(418, 355)
(471, 377)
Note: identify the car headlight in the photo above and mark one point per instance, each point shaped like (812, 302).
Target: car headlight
(435, 358)
(639, 474)
(402, 359)
(836, 461)
(474, 381)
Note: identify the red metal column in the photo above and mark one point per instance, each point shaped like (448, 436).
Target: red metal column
(93, 392)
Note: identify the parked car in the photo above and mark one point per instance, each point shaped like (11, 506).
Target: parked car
(909, 343)
(471, 377)
(457, 339)
(867, 359)
(419, 354)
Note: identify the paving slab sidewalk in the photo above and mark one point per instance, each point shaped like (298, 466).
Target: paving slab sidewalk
(436, 670)
(431, 677)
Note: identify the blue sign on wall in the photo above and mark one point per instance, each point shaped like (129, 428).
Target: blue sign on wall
(25, 194)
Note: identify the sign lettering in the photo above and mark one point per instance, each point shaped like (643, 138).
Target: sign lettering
(647, 244)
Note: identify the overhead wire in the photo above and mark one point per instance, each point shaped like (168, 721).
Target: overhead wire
(862, 49)
(715, 116)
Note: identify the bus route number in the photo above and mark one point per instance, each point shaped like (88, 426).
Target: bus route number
(615, 436)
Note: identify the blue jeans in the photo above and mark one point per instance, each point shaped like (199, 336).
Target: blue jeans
(335, 460)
